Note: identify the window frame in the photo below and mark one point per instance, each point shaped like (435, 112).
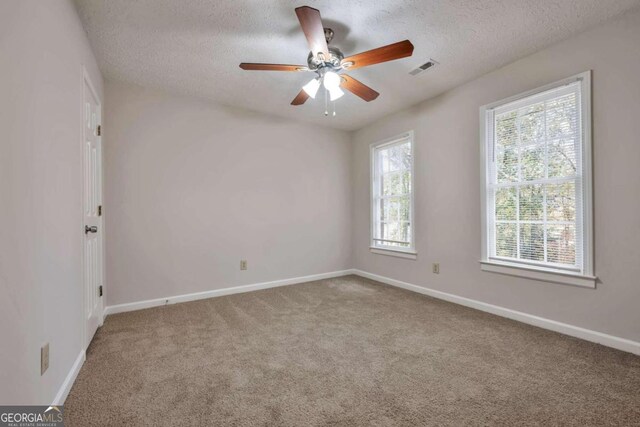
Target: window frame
(410, 252)
(542, 271)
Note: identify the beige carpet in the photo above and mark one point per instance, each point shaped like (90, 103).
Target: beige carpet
(345, 352)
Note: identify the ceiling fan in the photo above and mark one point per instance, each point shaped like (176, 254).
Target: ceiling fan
(329, 63)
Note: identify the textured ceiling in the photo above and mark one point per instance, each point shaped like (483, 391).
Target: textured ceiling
(194, 47)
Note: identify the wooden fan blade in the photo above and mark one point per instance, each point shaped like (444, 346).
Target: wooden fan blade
(300, 98)
(271, 67)
(358, 88)
(311, 24)
(382, 54)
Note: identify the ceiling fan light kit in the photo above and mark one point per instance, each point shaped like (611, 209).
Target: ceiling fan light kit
(329, 63)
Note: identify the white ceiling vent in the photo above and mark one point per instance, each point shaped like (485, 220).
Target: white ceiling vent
(430, 64)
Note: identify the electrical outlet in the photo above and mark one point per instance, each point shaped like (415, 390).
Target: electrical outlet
(436, 267)
(44, 358)
(243, 264)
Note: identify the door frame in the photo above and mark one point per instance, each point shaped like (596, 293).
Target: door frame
(86, 82)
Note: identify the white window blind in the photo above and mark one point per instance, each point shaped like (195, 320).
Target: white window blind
(392, 189)
(535, 180)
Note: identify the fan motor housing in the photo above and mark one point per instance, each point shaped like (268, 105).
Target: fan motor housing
(317, 62)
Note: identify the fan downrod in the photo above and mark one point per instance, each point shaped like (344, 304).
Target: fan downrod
(328, 35)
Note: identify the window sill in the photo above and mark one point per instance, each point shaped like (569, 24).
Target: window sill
(392, 252)
(539, 273)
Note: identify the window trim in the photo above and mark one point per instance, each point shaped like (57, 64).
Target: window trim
(410, 252)
(585, 277)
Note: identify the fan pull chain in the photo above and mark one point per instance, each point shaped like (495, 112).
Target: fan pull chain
(333, 104)
(326, 99)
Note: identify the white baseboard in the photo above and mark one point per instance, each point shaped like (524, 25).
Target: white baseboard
(139, 305)
(563, 328)
(65, 388)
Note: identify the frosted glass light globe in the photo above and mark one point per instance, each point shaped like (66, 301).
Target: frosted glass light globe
(312, 87)
(331, 80)
(335, 93)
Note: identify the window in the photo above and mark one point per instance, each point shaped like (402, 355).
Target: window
(537, 184)
(392, 230)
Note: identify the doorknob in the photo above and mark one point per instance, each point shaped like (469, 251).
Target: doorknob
(92, 229)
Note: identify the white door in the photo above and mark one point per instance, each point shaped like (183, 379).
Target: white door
(92, 205)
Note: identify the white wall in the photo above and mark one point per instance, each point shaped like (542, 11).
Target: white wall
(193, 187)
(42, 52)
(448, 185)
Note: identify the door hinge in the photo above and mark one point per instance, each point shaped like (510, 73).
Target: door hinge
(100, 290)
(99, 130)
(100, 210)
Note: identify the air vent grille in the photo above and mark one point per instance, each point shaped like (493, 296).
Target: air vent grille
(429, 64)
